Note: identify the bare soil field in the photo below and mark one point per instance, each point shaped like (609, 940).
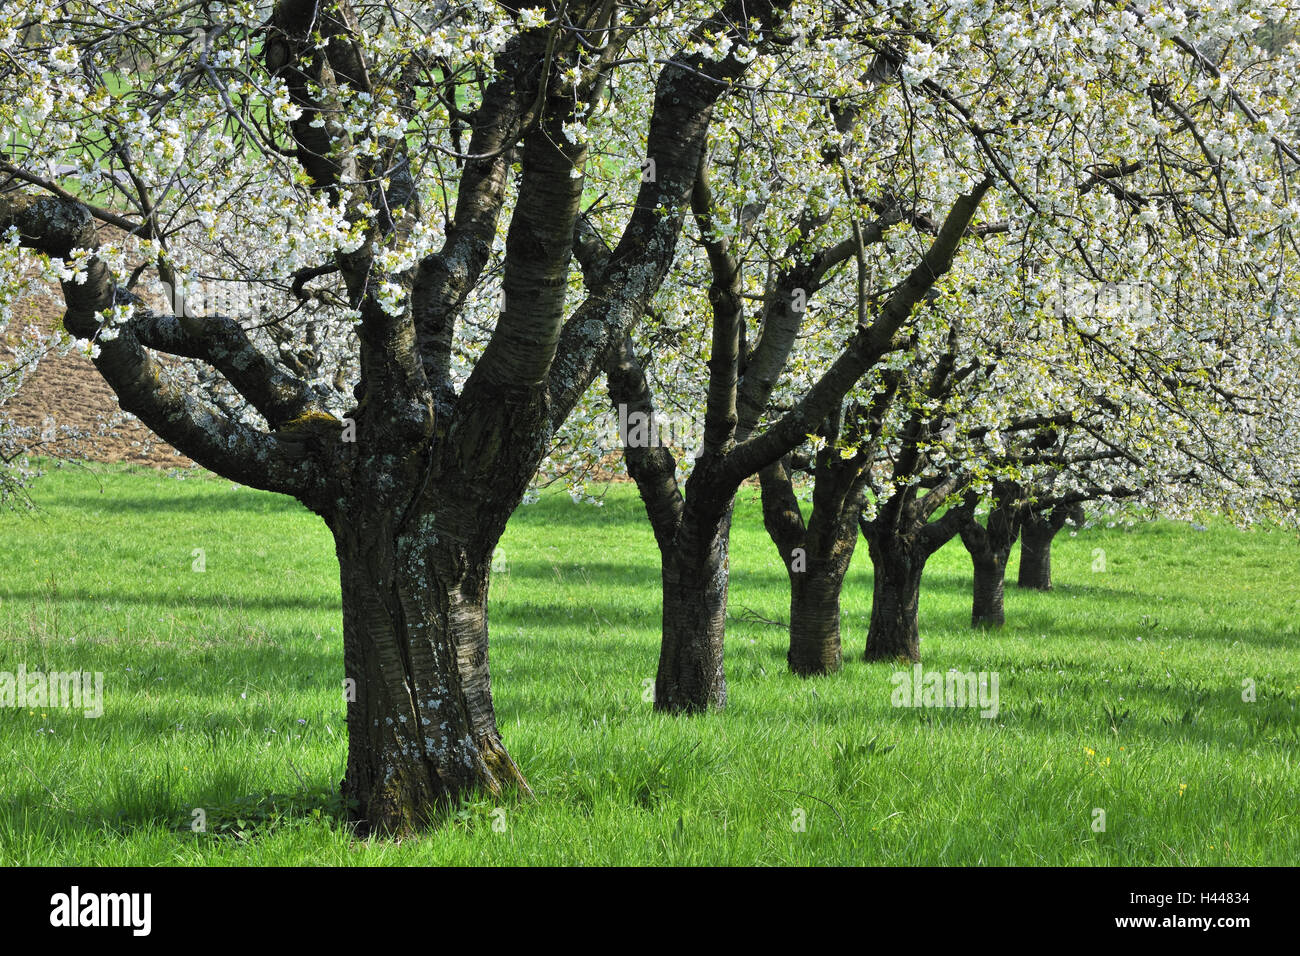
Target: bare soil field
(68, 391)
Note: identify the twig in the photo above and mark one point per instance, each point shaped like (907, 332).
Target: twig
(753, 617)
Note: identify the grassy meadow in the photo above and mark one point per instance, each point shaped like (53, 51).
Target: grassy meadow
(1121, 691)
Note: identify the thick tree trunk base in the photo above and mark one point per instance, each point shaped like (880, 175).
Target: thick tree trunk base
(386, 799)
(690, 678)
(1035, 557)
(987, 605)
(894, 633)
(422, 732)
(896, 640)
(815, 624)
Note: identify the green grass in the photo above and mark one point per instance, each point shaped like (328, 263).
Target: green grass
(1121, 690)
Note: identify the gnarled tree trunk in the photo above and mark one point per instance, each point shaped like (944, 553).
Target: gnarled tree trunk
(900, 540)
(691, 677)
(815, 646)
(894, 632)
(990, 547)
(421, 727)
(816, 557)
(414, 533)
(990, 573)
(1037, 534)
(1036, 555)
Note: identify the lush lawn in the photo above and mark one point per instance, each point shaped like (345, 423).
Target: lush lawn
(1121, 690)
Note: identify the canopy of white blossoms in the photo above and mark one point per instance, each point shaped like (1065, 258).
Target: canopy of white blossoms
(1132, 269)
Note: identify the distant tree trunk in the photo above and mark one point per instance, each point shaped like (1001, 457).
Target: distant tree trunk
(693, 534)
(894, 632)
(817, 556)
(990, 573)
(1036, 554)
(1039, 529)
(900, 540)
(815, 646)
(690, 677)
(990, 547)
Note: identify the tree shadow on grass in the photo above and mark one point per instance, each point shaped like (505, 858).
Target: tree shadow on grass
(1157, 716)
(162, 599)
(1207, 711)
(252, 504)
(130, 803)
(1209, 714)
(532, 616)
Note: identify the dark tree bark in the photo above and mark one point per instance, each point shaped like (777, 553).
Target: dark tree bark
(990, 547)
(421, 726)
(1040, 528)
(904, 531)
(690, 676)
(1036, 555)
(693, 534)
(817, 555)
(815, 643)
(816, 559)
(990, 576)
(894, 633)
(900, 539)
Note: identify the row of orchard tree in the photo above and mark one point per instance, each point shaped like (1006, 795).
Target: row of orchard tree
(963, 265)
